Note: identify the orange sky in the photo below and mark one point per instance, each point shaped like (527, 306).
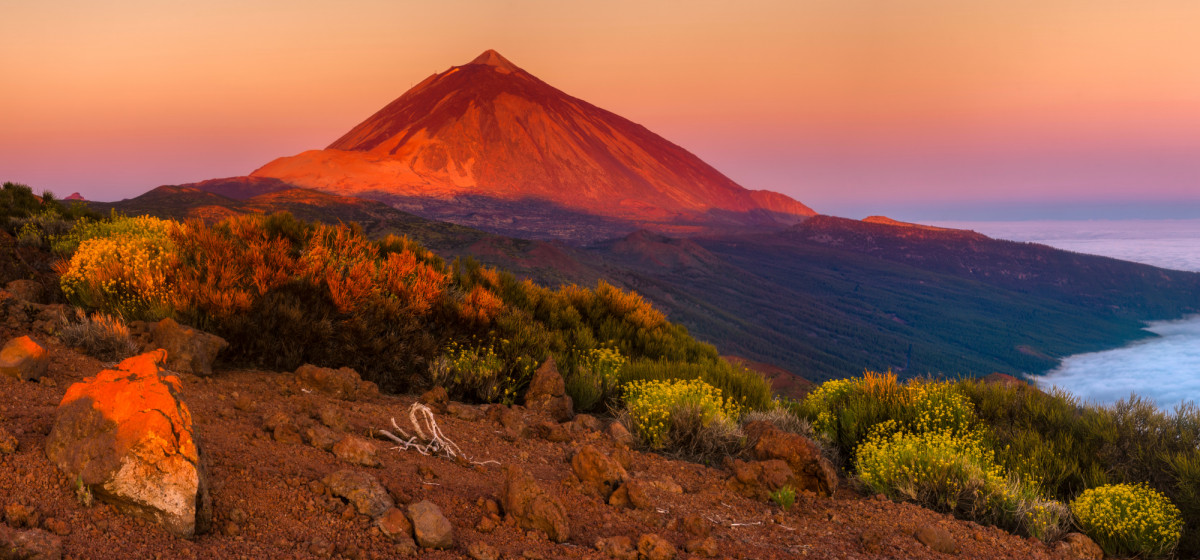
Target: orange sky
(853, 107)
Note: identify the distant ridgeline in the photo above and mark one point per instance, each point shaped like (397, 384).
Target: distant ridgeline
(826, 298)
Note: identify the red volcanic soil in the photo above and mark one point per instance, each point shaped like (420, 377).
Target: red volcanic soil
(489, 128)
(268, 501)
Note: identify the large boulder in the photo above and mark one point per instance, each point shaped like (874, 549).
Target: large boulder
(23, 359)
(127, 435)
(599, 474)
(811, 470)
(532, 508)
(547, 393)
(188, 350)
(343, 383)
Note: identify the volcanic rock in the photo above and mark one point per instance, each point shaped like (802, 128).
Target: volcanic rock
(395, 525)
(343, 383)
(33, 544)
(363, 491)
(548, 393)
(356, 450)
(532, 508)
(811, 470)
(1078, 545)
(25, 290)
(937, 539)
(599, 474)
(758, 479)
(654, 547)
(127, 435)
(431, 528)
(188, 350)
(23, 359)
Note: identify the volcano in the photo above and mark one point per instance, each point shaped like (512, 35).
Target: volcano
(489, 144)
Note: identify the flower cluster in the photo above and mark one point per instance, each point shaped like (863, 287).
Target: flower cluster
(653, 404)
(1129, 519)
(127, 272)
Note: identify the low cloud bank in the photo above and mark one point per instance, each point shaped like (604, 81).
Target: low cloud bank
(1164, 369)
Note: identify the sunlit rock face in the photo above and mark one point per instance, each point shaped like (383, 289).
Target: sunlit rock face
(491, 130)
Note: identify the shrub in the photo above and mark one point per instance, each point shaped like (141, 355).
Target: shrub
(955, 474)
(103, 337)
(592, 378)
(127, 273)
(474, 371)
(687, 417)
(749, 389)
(1129, 519)
(845, 412)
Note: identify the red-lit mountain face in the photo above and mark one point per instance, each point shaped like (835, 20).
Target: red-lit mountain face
(489, 144)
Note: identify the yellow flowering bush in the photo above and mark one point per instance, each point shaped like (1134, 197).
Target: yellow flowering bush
(126, 272)
(1129, 520)
(958, 474)
(845, 412)
(658, 408)
(595, 377)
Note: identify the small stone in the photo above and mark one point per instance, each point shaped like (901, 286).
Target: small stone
(321, 437)
(395, 525)
(357, 451)
(25, 290)
(426, 472)
(463, 412)
(695, 526)
(243, 403)
(632, 494)
(654, 547)
(1080, 546)
(362, 490)
(430, 526)
(8, 442)
(588, 423)
(23, 359)
(486, 525)
(705, 548)
(188, 350)
(320, 547)
(480, 550)
(332, 418)
(618, 547)
(57, 526)
(237, 515)
(619, 434)
(937, 538)
(871, 540)
(34, 544)
(436, 399)
(21, 515)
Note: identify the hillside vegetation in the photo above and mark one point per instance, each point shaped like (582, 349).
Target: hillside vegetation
(1011, 455)
(285, 292)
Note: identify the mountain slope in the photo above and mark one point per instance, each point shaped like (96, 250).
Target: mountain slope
(824, 299)
(490, 130)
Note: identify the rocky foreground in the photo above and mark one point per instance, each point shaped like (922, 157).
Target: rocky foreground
(258, 464)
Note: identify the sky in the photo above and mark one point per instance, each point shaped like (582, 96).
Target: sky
(921, 109)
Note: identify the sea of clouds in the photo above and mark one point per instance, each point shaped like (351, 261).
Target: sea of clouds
(1165, 369)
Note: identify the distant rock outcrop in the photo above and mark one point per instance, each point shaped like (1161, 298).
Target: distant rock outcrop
(127, 435)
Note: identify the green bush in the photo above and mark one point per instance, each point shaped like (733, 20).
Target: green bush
(127, 272)
(1129, 520)
(955, 474)
(686, 417)
(592, 378)
(845, 412)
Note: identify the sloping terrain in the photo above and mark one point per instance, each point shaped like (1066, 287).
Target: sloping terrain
(269, 501)
(827, 298)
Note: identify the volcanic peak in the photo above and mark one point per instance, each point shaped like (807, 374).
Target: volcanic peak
(493, 58)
